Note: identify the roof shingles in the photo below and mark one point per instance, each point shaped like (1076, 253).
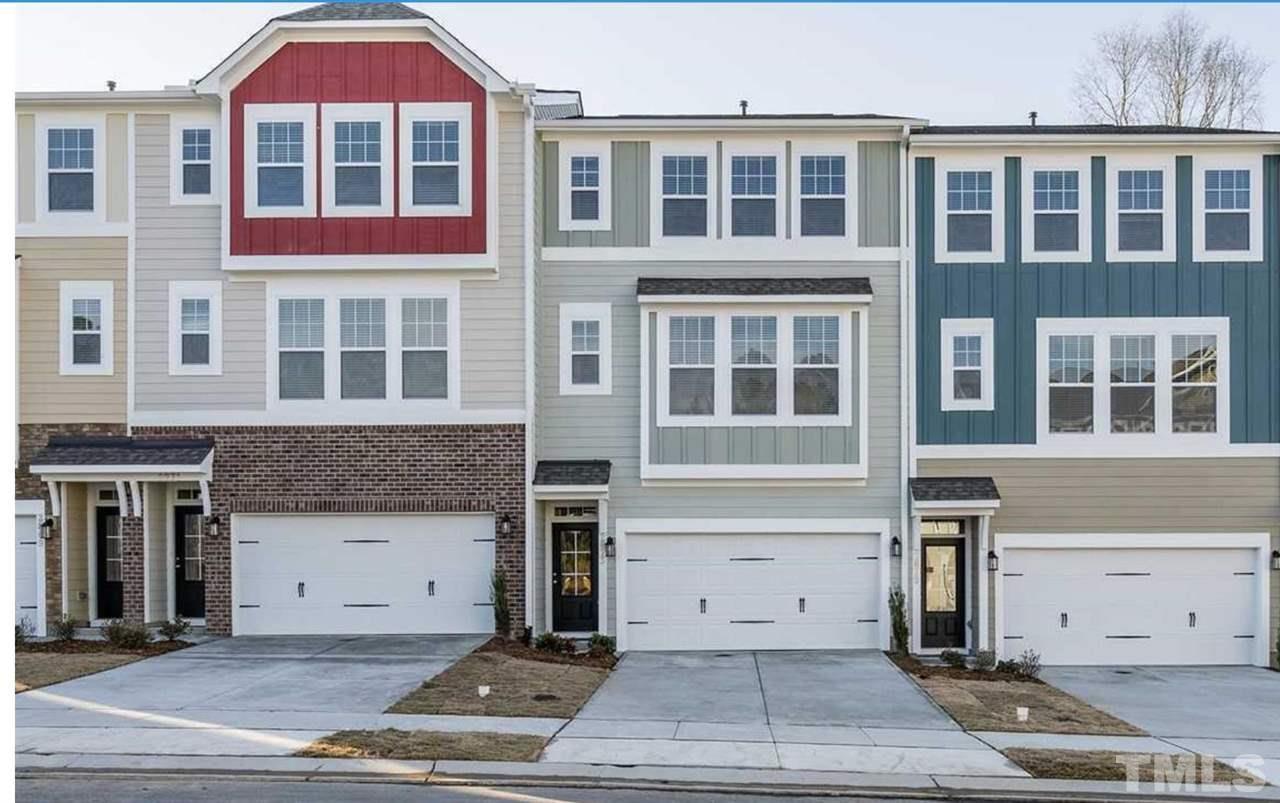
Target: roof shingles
(789, 286)
(353, 12)
(123, 451)
(572, 472)
(953, 489)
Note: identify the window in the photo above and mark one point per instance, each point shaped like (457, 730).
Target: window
(301, 345)
(1133, 383)
(1071, 383)
(1228, 209)
(435, 159)
(816, 382)
(967, 361)
(193, 151)
(86, 331)
(684, 196)
(1056, 206)
(753, 191)
(70, 165)
(280, 160)
(363, 346)
(197, 161)
(822, 196)
(424, 348)
(692, 357)
(585, 186)
(1194, 383)
(435, 163)
(1141, 210)
(195, 328)
(584, 181)
(195, 331)
(357, 156)
(969, 210)
(585, 352)
(113, 540)
(586, 345)
(193, 546)
(755, 364)
(1057, 202)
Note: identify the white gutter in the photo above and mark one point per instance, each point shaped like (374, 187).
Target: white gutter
(147, 96)
(723, 123)
(906, 382)
(530, 386)
(1110, 140)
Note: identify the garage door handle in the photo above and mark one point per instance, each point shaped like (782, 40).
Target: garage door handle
(1192, 619)
(1062, 620)
(702, 605)
(302, 589)
(802, 605)
(431, 588)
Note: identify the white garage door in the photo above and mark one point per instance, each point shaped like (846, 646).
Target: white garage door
(28, 587)
(752, 592)
(363, 574)
(1131, 606)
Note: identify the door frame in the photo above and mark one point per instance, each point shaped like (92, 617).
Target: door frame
(599, 519)
(35, 508)
(172, 503)
(755, 526)
(172, 565)
(93, 501)
(1260, 543)
(595, 572)
(967, 614)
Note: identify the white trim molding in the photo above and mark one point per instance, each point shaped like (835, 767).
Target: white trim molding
(52, 222)
(210, 291)
(104, 293)
(945, 163)
(178, 123)
(1082, 165)
(1167, 165)
(600, 313)
(330, 115)
(459, 113)
(601, 149)
(983, 328)
(1249, 161)
(766, 148)
(255, 113)
(659, 148)
(845, 149)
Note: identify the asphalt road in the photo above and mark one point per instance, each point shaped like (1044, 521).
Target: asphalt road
(91, 790)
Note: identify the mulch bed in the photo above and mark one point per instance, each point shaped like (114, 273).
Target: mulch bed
(81, 647)
(517, 650)
(913, 666)
(400, 745)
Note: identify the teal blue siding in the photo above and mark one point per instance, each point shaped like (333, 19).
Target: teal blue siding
(1016, 294)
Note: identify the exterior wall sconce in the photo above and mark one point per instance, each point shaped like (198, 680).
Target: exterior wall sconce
(895, 547)
(46, 527)
(214, 525)
(610, 547)
(504, 524)
(993, 561)
(1275, 560)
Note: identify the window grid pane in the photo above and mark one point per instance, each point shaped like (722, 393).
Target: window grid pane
(585, 337)
(301, 323)
(1056, 190)
(424, 323)
(71, 149)
(195, 315)
(754, 175)
(817, 339)
(755, 339)
(969, 191)
(1071, 359)
(86, 315)
(436, 141)
(966, 351)
(280, 143)
(692, 340)
(363, 323)
(357, 143)
(1141, 190)
(196, 145)
(584, 171)
(822, 176)
(1226, 189)
(1195, 359)
(684, 175)
(1133, 359)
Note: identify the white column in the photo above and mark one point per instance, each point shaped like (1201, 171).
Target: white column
(984, 580)
(911, 572)
(602, 515)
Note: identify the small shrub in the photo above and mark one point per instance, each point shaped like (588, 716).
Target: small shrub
(126, 635)
(1007, 666)
(984, 660)
(1028, 664)
(898, 621)
(22, 631)
(172, 631)
(601, 644)
(550, 642)
(501, 609)
(953, 658)
(64, 628)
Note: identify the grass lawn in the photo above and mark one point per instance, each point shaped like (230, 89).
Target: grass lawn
(522, 683)
(426, 745)
(1101, 765)
(47, 662)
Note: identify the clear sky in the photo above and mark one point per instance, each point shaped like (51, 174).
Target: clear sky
(952, 63)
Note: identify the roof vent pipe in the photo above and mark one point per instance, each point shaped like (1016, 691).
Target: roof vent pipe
(742, 104)
(111, 86)
(1033, 117)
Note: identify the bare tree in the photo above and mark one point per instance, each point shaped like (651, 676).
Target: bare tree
(1109, 85)
(1177, 61)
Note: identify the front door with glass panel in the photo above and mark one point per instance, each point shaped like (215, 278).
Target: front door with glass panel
(573, 578)
(943, 621)
(110, 561)
(188, 529)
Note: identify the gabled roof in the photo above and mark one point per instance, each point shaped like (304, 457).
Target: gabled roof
(572, 472)
(353, 11)
(953, 489)
(788, 286)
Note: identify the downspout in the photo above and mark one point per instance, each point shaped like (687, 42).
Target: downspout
(131, 261)
(530, 388)
(906, 360)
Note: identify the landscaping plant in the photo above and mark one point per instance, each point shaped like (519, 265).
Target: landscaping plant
(550, 642)
(898, 621)
(600, 644)
(501, 609)
(953, 658)
(984, 660)
(175, 629)
(126, 635)
(1028, 664)
(22, 631)
(64, 628)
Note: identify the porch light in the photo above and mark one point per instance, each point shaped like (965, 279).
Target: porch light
(504, 525)
(1275, 560)
(993, 561)
(46, 527)
(610, 548)
(213, 525)
(895, 547)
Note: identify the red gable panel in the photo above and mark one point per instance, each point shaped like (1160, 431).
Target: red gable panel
(358, 72)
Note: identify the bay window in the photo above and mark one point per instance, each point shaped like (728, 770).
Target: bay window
(755, 364)
(692, 360)
(816, 375)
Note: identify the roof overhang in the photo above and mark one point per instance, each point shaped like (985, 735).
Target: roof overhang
(755, 299)
(570, 492)
(157, 97)
(1110, 141)
(949, 507)
(104, 472)
(657, 124)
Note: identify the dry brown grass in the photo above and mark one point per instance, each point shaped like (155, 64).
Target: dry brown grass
(401, 745)
(987, 705)
(1101, 765)
(518, 688)
(36, 669)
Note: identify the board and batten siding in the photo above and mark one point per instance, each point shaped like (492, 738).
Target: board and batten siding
(1167, 495)
(25, 167)
(1017, 294)
(44, 395)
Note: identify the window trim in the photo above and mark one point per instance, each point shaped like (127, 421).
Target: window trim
(342, 349)
(601, 149)
(178, 123)
(255, 113)
(967, 327)
(723, 367)
(602, 312)
(826, 147)
(1102, 440)
(1083, 165)
(658, 148)
(777, 150)
(945, 164)
(1166, 163)
(402, 349)
(211, 290)
(104, 292)
(1253, 162)
(411, 113)
(45, 122)
(330, 115)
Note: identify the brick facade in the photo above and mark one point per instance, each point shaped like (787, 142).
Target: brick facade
(362, 469)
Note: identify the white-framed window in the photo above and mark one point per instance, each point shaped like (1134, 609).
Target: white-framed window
(968, 364)
(685, 196)
(1056, 220)
(435, 159)
(1141, 200)
(1228, 208)
(363, 344)
(195, 328)
(968, 210)
(585, 186)
(358, 174)
(193, 159)
(753, 209)
(71, 159)
(279, 162)
(85, 326)
(586, 349)
(1123, 382)
(823, 196)
(424, 348)
(756, 365)
(301, 341)
(71, 175)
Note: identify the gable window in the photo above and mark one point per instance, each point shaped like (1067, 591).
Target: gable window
(1194, 380)
(586, 346)
(85, 324)
(301, 348)
(753, 191)
(280, 164)
(280, 160)
(195, 328)
(363, 345)
(70, 166)
(684, 196)
(822, 196)
(968, 370)
(357, 156)
(197, 161)
(584, 183)
(435, 159)
(1071, 383)
(1228, 209)
(816, 380)
(1133, 383)
(424, 348)
(1140, 202)
(755, 364)
(692, 358)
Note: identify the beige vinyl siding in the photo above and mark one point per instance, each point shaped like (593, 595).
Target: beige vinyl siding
(75, 529)
(493, 311)
(25, 168)
(45, 396)
(158, 566)
(117, 168)
(183, 243)
(1170, 495)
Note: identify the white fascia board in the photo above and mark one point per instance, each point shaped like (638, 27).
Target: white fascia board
(891, 126)
(565, 492)
(1023, 451)
(971, 507)
(732, 299)
(781, 250)
(333, 262)
(768, 473)
(1098, 140)
(105, 473)
(110, 98)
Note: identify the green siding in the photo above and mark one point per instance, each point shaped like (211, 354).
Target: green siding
(1016, 294)
(878, 200)
(629, 165)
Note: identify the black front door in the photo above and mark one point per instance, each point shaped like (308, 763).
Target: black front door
(188, 529)
(943, 590)
(110, 549)
(573, 593)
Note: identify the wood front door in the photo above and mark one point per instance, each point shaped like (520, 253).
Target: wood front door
(188, 533)
(942, 587)
(573, 576)
(110, 548)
